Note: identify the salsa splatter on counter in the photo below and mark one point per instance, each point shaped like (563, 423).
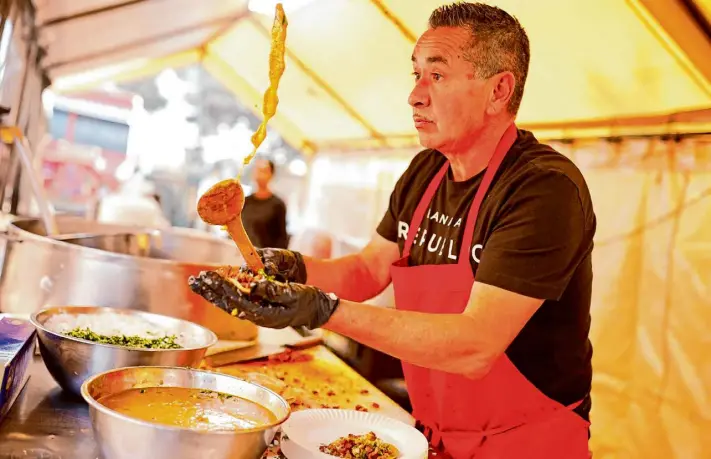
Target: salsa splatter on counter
(314, 378)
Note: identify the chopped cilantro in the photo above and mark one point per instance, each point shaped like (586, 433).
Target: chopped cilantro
(266, 276)
(165, 342)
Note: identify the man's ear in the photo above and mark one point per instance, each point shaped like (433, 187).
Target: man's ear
(502, 87)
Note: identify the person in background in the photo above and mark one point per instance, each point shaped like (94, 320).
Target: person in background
(264, 213)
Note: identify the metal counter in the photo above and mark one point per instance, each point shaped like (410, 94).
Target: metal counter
(46, 423)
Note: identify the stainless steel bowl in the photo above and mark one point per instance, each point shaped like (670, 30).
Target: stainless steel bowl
(71, 361)
(123, 437)
(116, 266)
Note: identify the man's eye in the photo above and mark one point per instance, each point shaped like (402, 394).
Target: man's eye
(416, 75)
(436, 76)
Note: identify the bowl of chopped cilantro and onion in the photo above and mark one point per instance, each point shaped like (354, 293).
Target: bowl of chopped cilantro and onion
(77, 342)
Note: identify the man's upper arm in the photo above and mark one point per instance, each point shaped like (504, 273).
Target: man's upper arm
(498, 316)
(377, 257)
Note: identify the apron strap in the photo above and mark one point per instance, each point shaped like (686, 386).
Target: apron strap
(504, 145)
(422, 206)
(507, 140)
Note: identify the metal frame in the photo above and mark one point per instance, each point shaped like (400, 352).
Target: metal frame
(677, 26)
(390, 16)
(23, 114)
(10, 173)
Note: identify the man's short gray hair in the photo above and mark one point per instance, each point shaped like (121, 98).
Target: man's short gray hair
(498, 43)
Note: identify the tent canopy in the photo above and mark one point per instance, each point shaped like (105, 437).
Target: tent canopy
(605, 66)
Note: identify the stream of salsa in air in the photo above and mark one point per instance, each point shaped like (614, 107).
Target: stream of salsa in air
(276, 70)
(222, 204)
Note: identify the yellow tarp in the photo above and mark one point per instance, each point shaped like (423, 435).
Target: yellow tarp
(348, 66)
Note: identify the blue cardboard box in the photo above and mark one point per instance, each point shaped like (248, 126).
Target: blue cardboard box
(17, 344)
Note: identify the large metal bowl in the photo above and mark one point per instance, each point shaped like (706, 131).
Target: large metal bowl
(123, 437)
(71, 361)
(116, 266)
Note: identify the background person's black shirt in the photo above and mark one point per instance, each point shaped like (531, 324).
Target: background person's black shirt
(265, 221)
(534, 236)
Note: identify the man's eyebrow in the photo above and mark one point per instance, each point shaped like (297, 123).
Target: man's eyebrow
(434, 59)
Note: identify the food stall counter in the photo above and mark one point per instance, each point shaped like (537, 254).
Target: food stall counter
(47, 423)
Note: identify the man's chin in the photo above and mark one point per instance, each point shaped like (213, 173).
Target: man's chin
(428, 140)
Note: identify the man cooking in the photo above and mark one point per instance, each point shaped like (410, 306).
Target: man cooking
(487, 240)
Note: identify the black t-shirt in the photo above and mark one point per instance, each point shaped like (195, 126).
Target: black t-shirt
(265, 221)
(533, 236)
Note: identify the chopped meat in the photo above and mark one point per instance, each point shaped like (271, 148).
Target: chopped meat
(242, 277)
(367, 446)
(291, 356)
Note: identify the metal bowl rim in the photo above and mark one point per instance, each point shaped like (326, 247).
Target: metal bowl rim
(93, 403)
(22, 234)
(33, 318)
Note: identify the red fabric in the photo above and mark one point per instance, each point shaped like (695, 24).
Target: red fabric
(502, 415)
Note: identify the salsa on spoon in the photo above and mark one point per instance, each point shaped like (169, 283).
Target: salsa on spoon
(223, 203)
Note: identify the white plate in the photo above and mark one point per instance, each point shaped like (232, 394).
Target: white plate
(310, 429)
(293, 451)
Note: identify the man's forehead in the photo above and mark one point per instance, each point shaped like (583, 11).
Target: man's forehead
(443, 44)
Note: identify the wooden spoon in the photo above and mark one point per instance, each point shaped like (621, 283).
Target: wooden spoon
(222, 205)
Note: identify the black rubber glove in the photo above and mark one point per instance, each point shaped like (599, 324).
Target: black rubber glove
(270, 303)
(287, 264)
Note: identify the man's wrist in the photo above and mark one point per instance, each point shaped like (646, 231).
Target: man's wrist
(300, 274)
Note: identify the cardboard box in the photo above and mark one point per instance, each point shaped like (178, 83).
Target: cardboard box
(17, 344)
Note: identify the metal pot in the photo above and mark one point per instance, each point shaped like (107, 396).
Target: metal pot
(95, 264)
(122, 437)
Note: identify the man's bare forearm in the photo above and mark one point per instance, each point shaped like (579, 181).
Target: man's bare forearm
(348, 277)
(446, 342)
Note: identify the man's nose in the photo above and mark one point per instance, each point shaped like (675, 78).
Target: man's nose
(419, 96)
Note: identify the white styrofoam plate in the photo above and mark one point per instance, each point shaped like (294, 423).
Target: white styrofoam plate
(293, 451)
(310, 429)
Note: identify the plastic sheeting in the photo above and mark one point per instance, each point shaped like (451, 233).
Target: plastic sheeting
(651, 327)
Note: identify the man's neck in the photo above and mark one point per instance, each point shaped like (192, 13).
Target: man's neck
(474, 157)
(263, 193)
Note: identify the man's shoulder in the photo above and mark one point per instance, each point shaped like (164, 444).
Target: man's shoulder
(278, 201)
(272, 200)
(537, 161)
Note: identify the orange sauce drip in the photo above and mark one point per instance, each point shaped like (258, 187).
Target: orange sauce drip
(277, 65)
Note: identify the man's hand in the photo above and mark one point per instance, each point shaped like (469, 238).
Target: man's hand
(287, 264)
(269, 303)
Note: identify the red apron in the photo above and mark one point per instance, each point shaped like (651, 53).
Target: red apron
(502, 415)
